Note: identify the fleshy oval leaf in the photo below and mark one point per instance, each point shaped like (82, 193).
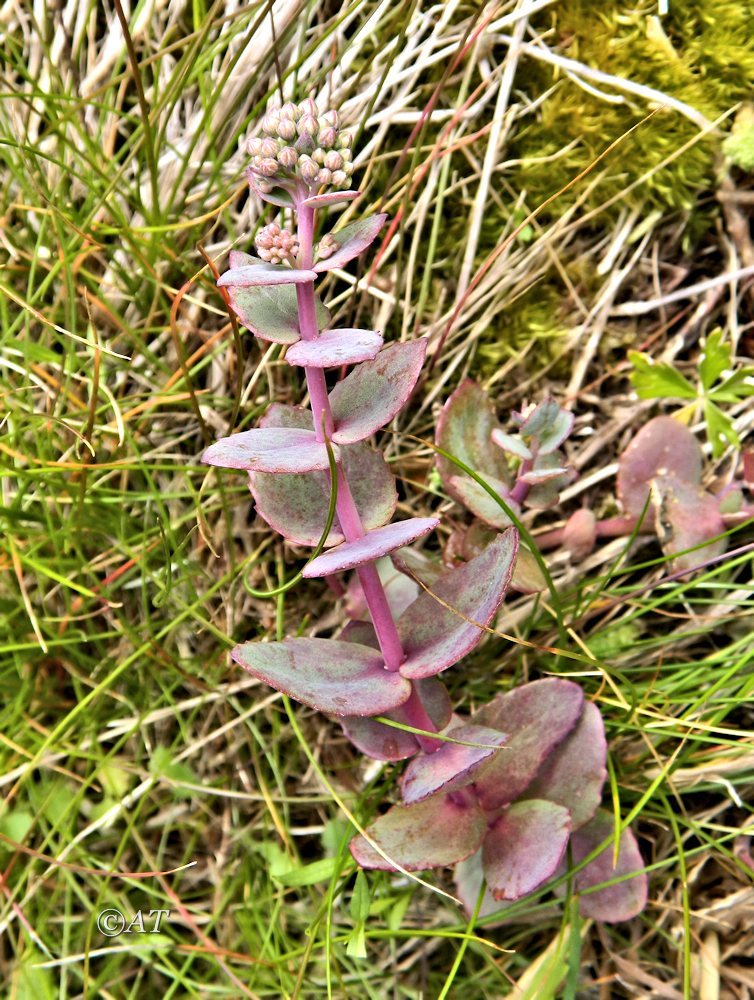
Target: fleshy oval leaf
(464, 430)
(512, 444)
(388, 743)
(524, 846)
(352, 240)
(475, 498)
(260, 273)
(371, 395)
(625, 899)
(537, 717)
(452, 766)
(441, 627)
(428, 834)
(574, 773)
(336, 347)
(271, 450)
(271, 313)
(277, 196)
(662, 447)
(686, 517)
(371, 546)
(338, 678)
(331, 198)
(296, 505)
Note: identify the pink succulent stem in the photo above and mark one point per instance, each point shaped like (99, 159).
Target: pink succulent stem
(521, 489)
(348, 515)
(415, 715)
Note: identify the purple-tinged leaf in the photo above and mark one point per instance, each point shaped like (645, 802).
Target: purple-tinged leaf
(464, 431)
(441, 627)
(373, 393)
(574, 773)
(468, 877)
(352, 240)
(378, 741)
(428, 834)
(475, 498)
(548, 423)
(382, 742)
(370, 546)
(334, 348)
(452, 766)
(627, 898)
(261, 273)
(513, 445)
(536, 476)
(663, 447)
(271, 313)
(271, 449)
(580, 534)
(277, 196)
(360, 631)
(537, 717)
(686, 516)
(338, 678)
(296, 505)
(553, 476)
(400, 590)
(527, 575)
(331, 198)
(524, 846)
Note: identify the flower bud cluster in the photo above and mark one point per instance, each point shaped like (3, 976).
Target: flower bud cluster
(299, 142)
(276, 245)
(327, 246)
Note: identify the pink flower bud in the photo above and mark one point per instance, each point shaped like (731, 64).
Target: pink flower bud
(327, 136)
(340, 178)
(307, 126)
(333, 160)
(286, 129)
(345, 140)
(331, 118)
(348, 169)
(289, 110)
(270, 121)
(308, 169)
(254, 145)
(308, 107)
(268, 148)
(288, 157)
(319, 156)
(324, 176)
(267, 166)
(347, 155)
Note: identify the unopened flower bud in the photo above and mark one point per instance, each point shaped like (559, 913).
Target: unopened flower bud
(327, 246)
(348, 169)
(308, 169)
(331, 118)
(254, 145)
(267, 166)
(268, 148)
(270, 121)
(307, 126)
(308, 107)
(333, 160)
(286, 129)
(289, 110)
(287, 157)
(345, 140)
(318, 156)
(340, 178)
(347, 155)
(324, 176)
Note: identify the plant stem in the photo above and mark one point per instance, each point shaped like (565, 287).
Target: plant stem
(348, 515)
